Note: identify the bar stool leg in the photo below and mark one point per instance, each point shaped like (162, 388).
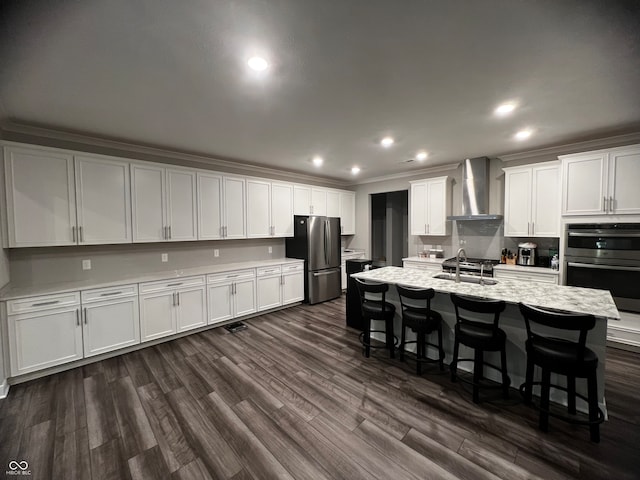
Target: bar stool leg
(477, 374)
(544, 400)
(419, 351)
(389, 335)
(454, 363)
(592, 395)
(440, 349)
(367, 337)
(402, 342)
(505, 376)
(571, 394)
(528, 386)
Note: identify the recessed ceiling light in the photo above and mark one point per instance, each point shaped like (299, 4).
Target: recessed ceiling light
(318, 161)
(386, 142)
(355, 170)
(258, 64)
(505, 109)
(421, 155)
(523, 134)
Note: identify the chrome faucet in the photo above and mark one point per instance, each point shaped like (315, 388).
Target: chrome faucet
(482, 274)
(464, 254)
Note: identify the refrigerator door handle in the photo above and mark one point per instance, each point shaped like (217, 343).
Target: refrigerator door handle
(321, 274)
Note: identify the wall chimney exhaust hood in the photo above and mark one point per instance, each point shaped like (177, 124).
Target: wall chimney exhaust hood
(475, 191)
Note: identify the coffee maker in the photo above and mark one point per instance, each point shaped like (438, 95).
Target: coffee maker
(527, 253)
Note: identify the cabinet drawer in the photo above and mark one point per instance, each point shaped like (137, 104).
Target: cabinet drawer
(101, 294)
(173, 284)
(527, 276)
(431, 267)
(42, 302)
(231, 276)
(272, 270)
(294, 267)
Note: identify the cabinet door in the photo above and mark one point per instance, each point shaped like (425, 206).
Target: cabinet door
(269, 292)
(244, 297)
(517, 203)
(348, 213)
(624, 174)
(418, 209)
(181, 205)
(220, 302)
(44, 339)
(584, 184)
(318, 201)
(148, 203)
(301, 200)
(282, 209)
(437, 208)
(110, 325)
(333, 203)
(157, 315)
(258, 209)
(234, 208)
(545, 201)
(293, 287)
(209, 206)
(192, 308)
(103, 201)
(41, 204)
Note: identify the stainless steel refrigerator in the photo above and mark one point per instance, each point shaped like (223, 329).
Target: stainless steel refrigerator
(316, 240)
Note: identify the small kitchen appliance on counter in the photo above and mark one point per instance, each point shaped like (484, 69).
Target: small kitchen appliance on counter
(527, 253)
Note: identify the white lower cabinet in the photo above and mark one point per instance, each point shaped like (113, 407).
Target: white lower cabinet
(269, 281)
(44, 331)
(231, 294)
(292, 283)
(170, 307)
(110, 319)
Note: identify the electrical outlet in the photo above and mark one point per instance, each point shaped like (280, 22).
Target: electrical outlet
(164, 257)
(86, 264)
(216, 252)
(270, 249)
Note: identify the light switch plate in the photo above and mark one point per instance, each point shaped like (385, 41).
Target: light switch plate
(270, 249)
(216, 252)
(164, 257)
(86, 264)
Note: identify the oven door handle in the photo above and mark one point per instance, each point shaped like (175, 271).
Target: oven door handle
(603, 267)
(604, 235)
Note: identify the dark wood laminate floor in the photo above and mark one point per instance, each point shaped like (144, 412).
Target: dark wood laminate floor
(292, 397)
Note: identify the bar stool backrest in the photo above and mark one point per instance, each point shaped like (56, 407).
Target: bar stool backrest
(375, 288)
(478, 305)
(416, 299)
(580, 323)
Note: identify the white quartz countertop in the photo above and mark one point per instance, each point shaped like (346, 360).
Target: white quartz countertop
(571, 299)
(522, 268)
(424, 260)
(11, 292)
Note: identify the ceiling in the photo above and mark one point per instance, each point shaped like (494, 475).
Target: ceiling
(343, 74)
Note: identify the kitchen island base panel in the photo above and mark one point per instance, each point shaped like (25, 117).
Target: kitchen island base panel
(512, 323)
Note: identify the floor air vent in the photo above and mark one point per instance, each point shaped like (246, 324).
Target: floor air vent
(236, 327)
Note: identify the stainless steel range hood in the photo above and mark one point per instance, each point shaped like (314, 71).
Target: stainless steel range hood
(475, 191)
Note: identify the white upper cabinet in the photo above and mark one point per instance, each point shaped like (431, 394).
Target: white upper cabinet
(103, 201)
(348, 213)
(430, 206)
(210, 206)
(532, 199)
(269, 209)
(234, 208)
(163, 203)
(602, 182)
(318, 201)
(54, 198)
(333, 203)
(282, 209)
(41, 203)
(301, 200)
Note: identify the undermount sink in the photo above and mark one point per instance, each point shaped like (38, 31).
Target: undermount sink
(466, 279)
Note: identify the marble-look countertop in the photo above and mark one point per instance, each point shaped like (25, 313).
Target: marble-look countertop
(524, 269)
(12, 292)
(571, 299)
(423, 259)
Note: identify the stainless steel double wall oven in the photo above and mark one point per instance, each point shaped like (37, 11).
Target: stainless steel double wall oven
(606, 256)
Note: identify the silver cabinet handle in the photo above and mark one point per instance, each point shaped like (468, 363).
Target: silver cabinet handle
(169, 227)
(86, 319)
(174, 298)
(108, 294)
(174, 284)
(73, 234)
(42, 304)
(81, 233)
(164, 233)
(178, 297)
(77, 317)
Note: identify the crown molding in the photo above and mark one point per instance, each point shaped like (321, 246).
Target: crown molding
(553, 152)
(130, 150)
(424, 171)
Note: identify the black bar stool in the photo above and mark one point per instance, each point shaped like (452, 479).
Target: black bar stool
(376, 310)
(418, 316)
(564, 357)
(481, 336)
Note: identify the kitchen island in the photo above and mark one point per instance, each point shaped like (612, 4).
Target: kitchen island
(570, 299)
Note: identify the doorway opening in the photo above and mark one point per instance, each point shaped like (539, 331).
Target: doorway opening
(389, 228)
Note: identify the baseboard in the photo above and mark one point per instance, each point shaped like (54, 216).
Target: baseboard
(4, 389)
